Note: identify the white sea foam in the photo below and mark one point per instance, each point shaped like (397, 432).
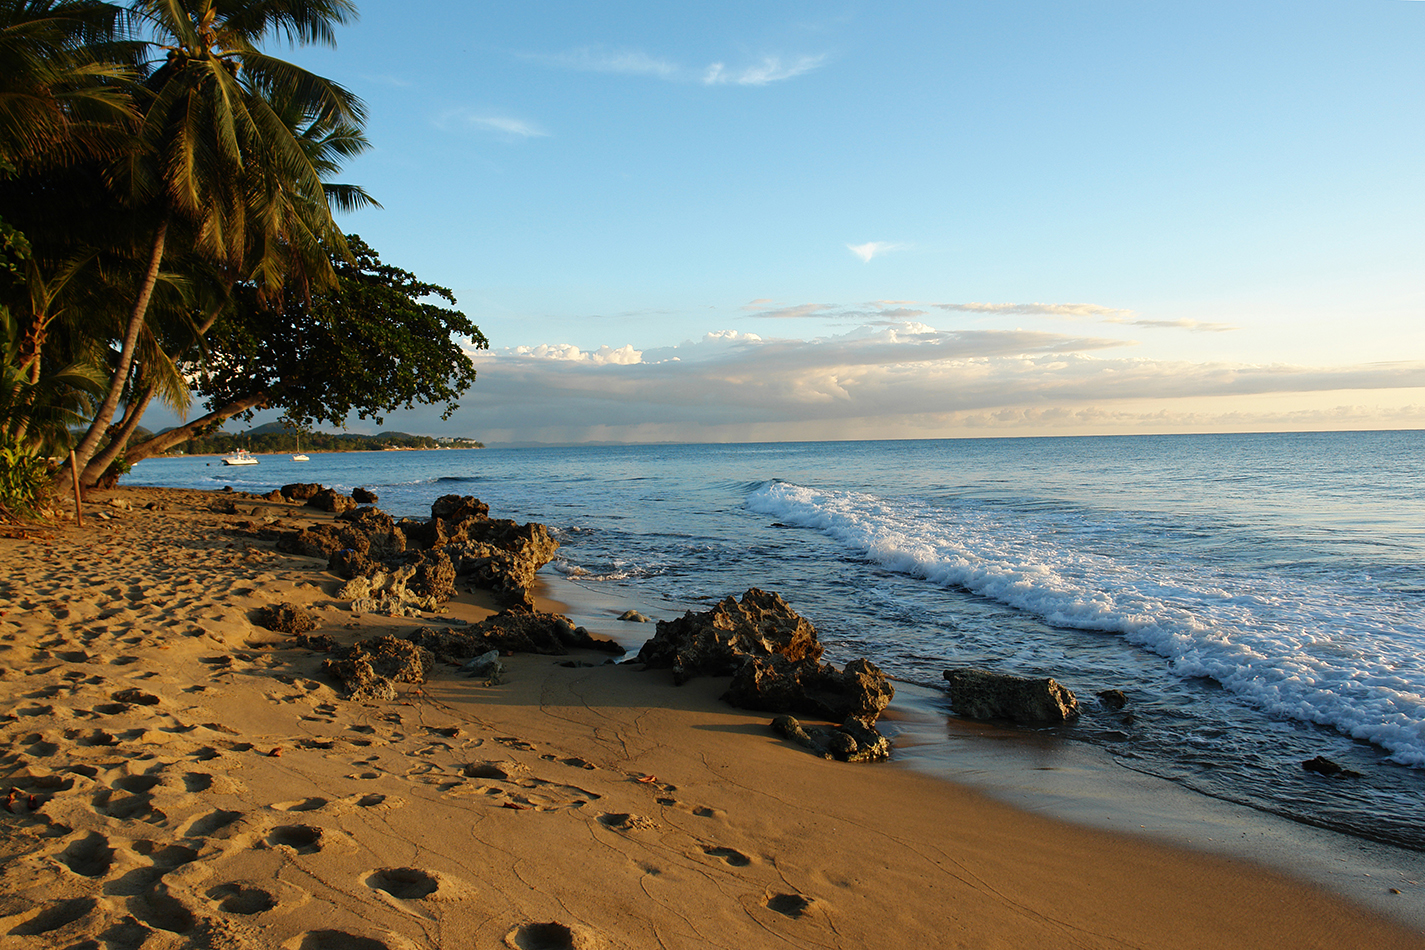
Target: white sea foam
(1304, 648)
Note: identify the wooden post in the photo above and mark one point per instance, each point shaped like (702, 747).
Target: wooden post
(73, 470)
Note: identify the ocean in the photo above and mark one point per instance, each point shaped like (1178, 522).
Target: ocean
(1260, 599)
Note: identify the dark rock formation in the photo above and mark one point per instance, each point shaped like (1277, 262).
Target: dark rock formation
(459, 508)
(349, 563)
(434, 577)
(1324, 766)
(386, 539)
(286, 618)
(364, 496)
(511, 632)
(323, 541)
(329, 499)
(301, 491)
(773, 657)
(633, 616)
(1112, 698)
(321, 643)
(981, 694)
(369, 669)
(776, 684)
(853, 741)
(718, 641)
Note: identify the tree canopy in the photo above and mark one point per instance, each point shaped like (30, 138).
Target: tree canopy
(166, 231)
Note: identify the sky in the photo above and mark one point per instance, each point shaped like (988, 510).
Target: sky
(752, 221)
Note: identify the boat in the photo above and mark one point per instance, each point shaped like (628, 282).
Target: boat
(240, 457)
(298, 456)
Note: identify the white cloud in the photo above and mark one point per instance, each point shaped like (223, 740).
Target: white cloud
(771, 69)
(624, 355)
(1044, 309)
(872, 248)
(504, 126)
(597, 59)
(903, 379)
(1086, 311)
(629, 62)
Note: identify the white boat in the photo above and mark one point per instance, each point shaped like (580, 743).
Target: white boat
(240, 457)
(298, 456)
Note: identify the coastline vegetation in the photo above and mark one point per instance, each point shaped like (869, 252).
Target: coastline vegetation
(265, 440)
(166, 234)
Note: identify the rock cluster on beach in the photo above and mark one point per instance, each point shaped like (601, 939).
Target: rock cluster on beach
(984, 694)
(774, 658)
(399, 565)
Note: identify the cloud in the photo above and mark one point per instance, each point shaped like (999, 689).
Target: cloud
(872, 248)
(906, 378)
(628, 62)
(771, 69)
(880, 312)
(1044, 309)
(1086, 311)
(597, 59)
(503, 126)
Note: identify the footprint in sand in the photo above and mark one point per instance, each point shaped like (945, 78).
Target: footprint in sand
(54, 916)
(788, 905)
(403, 883)
(304, 839)
(549, 936)
(304, 804)
(89, 856)
(241, 899)
(732, 856)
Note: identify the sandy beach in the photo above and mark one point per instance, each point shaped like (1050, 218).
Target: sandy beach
(176, 776)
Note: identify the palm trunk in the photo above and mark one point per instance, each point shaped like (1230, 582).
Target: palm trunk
(162, 443)
(96, 468)
(87, 446)
(133, 412)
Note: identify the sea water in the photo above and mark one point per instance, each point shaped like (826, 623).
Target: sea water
(1259, 599)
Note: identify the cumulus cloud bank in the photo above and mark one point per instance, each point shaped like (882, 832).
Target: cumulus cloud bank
(908, 379)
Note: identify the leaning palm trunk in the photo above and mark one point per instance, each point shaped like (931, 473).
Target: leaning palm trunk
(88, 445)
(94, 472)
(162, 443)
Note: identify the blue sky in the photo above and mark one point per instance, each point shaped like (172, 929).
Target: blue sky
(786, 220)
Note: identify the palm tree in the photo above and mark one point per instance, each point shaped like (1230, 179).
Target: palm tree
(64, 72)
(213, 152)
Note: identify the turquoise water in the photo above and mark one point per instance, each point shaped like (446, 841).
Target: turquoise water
(1260, 598)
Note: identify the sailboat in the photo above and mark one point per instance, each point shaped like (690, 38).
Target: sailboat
(298, 456)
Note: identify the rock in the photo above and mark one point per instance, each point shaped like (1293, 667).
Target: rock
(322, 541)
(487, 665)
(301, 491)
(513, 632)
(776, 684)
(1113, 698)
(852, 741)
(364, 497)
(981, 694)
(459, 508)
(351, 564)
(1324, 766)
(329, 499)
(716, 642)
(369, 669)
(386, 539)
(433, 577)
(286, 618)
(274, 495)
(321, 643)
(633, 616)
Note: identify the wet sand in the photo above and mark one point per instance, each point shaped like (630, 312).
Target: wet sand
(184, 778)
